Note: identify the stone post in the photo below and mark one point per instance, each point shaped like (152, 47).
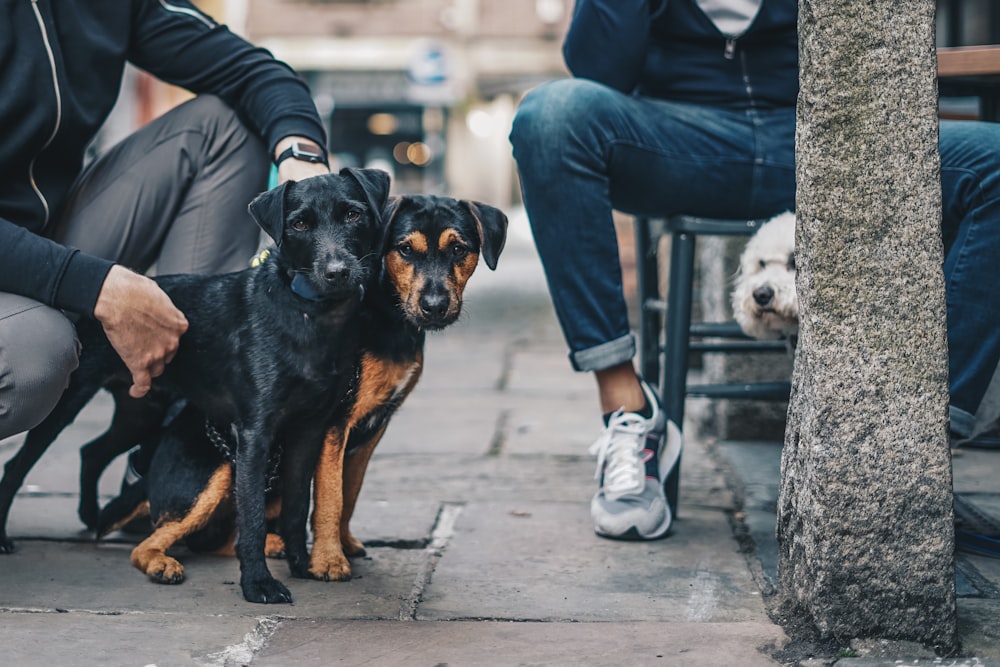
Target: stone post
(865, 523)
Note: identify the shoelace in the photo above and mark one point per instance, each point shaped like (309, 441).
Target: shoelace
(618, 446)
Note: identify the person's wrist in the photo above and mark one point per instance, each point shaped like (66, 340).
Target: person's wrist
(299, 149)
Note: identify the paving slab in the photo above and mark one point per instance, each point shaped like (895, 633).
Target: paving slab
(505, 562)
(496, 644)
(98, 578)
(125, 640)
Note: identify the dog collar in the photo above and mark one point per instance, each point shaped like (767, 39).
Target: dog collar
(304, 289)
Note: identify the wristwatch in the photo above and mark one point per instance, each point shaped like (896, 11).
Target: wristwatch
(307, 151)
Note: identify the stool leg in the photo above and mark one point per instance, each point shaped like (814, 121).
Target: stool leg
(673, 385)
(647, 273)
(678, 325)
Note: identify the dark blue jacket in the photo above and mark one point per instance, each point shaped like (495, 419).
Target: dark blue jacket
(672, 49)
(61, 66)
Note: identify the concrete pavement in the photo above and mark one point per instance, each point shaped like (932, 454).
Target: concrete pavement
(480, 548)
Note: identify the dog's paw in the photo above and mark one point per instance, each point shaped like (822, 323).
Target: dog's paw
(266, 591)
(274, 546)
(333, 567)
(6, 544)
(353, 547)
(165, 570)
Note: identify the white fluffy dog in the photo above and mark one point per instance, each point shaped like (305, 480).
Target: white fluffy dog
(764, 300)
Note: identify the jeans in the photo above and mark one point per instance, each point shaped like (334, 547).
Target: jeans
(970, 188)
(583, 149)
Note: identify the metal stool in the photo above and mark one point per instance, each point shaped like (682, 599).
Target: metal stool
(678, 335)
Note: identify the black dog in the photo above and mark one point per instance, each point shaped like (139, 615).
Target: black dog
(432, 248)
(268, 356)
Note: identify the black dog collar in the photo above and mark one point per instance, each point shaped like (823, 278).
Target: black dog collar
(303, 288)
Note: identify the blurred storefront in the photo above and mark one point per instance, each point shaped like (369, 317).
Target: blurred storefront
(425, 89)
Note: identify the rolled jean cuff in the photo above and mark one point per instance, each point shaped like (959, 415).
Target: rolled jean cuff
(963, 425)
(604, 355)
(962, 422)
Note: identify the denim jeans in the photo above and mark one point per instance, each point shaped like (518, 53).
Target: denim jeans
(583, 149)
(970, 188)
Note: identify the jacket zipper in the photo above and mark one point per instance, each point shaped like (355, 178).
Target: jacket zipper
(746, 78)
(55, 129)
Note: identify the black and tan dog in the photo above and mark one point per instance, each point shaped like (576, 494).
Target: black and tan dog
(269, 355)
(431, 249)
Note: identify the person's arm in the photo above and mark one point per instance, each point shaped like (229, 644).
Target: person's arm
(50, 273)
(181, 45)
(607, 41)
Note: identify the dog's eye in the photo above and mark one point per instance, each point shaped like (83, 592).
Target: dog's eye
(299, 225)
(352, 216)
(791, 262)
(404, 249)
(762, 263)
(458, 251)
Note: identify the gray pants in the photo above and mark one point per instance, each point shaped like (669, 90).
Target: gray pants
(173, 195)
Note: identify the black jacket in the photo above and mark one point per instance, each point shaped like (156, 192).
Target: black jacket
(689, 50)
(61, 66)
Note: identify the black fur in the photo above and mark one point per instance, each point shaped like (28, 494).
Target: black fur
(274, 365)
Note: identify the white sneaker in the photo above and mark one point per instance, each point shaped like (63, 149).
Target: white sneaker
(632, 463)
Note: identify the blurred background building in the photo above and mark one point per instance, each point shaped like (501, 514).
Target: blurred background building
(426, 89)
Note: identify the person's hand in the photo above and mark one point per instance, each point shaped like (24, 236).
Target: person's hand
(141, 323)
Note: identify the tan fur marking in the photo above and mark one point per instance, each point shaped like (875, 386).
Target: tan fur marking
(403, 278)
(151, 557)
(354, 474)
(462, 272)
(418, 241)
(275, 546)
(335, 494)
(448, 237)
(327, 561)
(379, 381)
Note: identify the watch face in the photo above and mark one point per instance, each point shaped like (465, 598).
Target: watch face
(308, 151)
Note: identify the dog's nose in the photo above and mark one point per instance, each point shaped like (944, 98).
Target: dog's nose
(336, 271)
(763, 296)
(434, 304)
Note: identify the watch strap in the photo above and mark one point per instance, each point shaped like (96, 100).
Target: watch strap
(302, 150)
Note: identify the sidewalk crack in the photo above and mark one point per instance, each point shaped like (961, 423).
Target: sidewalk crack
(243, 653)
(444, 528)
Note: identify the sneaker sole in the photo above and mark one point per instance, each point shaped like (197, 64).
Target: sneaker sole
(633, 534)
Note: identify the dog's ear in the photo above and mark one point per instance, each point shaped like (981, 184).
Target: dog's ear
(389, 211)
(268, 209)
(375, 183)
(492, 224)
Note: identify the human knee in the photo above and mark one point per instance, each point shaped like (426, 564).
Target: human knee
(550, 113)
(210, 107)
(220, 123)
(38, 353)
